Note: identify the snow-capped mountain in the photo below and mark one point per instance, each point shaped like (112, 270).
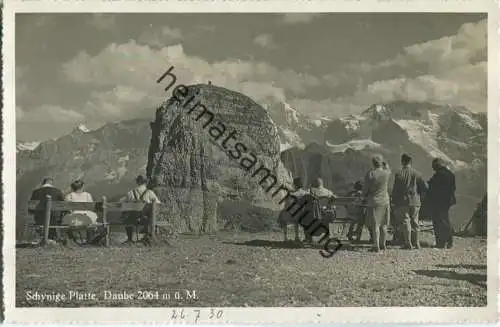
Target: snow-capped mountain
(451, 133)
(295, 129)
(26, 146)
(81, 128)
(339, 148)
(424, 130)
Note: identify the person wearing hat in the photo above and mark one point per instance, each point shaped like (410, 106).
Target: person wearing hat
(376, 197)
(407, 191)
(140, 193)
(438, 201)
(40, 194)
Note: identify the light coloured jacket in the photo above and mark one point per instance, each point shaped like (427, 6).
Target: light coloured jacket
(82, 197)
(322, 192)
(376, 187)
(134, 195)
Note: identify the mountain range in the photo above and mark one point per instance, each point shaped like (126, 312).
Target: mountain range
(338, 149)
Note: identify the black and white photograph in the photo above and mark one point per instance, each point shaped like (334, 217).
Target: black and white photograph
(251, 160)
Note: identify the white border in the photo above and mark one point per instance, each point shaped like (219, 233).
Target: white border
(487, 314)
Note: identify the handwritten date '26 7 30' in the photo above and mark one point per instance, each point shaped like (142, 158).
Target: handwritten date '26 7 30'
(197, 314)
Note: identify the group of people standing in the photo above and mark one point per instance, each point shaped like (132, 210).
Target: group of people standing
(375, 204)
(410, 194)
(140, 193)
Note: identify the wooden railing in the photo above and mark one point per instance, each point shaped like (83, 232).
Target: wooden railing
(101, 208)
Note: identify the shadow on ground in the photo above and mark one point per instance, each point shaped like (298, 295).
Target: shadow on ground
(476, 279)
(346, 245)
(299, 245)
(462, 266)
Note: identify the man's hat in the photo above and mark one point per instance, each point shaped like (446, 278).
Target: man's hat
(438, 162)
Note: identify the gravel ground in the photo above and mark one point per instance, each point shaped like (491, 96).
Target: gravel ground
(253, 270)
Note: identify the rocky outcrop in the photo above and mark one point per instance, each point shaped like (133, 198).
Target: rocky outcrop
(198, 169)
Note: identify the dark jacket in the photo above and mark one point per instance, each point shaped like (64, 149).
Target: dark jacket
(409, 187)
(441, 193)
(39, 195)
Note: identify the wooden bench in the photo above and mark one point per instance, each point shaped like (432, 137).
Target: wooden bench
(344, 201)
(102, 208)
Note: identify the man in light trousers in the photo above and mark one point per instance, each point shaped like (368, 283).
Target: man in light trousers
(376, 196)
(407, 191)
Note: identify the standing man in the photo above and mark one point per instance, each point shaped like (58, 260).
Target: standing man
(407, 191)
(440, 197)
(376, 195)
(39, 194)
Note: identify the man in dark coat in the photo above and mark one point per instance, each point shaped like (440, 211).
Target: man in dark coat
(40, 194)
(440, 197)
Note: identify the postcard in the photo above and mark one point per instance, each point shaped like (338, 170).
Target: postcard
(250, 162)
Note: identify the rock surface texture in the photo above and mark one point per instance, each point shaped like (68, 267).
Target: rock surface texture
(203, 179)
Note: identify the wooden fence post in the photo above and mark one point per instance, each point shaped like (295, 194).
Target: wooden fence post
(46, 224)
(152, 227)
(105, 220)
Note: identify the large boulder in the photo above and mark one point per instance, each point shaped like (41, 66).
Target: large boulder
(207, 177)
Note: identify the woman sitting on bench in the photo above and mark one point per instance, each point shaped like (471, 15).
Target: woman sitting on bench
(80, 217)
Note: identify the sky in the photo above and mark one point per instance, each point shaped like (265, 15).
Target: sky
(97, 68)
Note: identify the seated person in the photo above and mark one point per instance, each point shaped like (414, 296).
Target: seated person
(141, 193)
(40, 194)
(318, 190)
(326, 198)
(285, 217)
(81, 217)
(320, 202)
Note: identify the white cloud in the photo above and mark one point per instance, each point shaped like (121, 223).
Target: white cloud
(461, 86)
(130, 71)
(160, 37)
(46, 114)
(326, 107)
(299, 18)
(449, 70)
(264, 41)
